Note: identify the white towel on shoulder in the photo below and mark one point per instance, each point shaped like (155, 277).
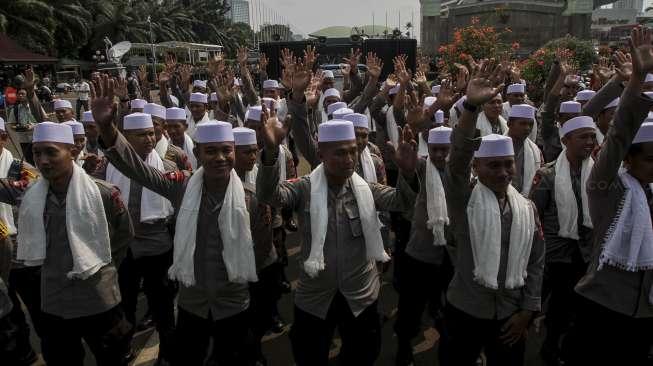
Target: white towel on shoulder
(436, 204)
(391, 126)
(422, 147)
(6, 212)
(162, 147)
(86, 225)
(566, 199)
(188, 149)
(153, 206)
(369, 171)
(320, 219)
(484, 125)
(235, 232)
(484, 217)
(532, 162)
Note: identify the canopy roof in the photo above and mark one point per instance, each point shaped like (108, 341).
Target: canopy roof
(12, 53)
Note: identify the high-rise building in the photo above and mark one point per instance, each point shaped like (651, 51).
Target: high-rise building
(430, 25)
(629, 4)
(239, 11)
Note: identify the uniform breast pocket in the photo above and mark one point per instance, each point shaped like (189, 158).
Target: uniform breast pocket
(351, 208)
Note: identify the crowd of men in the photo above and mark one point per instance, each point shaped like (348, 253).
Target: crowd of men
(500, 212)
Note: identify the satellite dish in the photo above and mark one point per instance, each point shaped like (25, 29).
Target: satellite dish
(118, 50)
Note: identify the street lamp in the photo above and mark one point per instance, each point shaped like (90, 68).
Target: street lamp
(149, 22)
(98, 57)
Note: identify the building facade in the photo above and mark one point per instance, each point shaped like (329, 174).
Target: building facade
(239, 11)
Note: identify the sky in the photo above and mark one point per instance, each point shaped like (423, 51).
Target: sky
(312, 15)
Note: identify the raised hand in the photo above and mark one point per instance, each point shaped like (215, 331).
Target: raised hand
(164, 77)
(462, 77)
(28, 84)
(263, 62)
(186, 73)
(241, 56)
(215, 65)
(269, 132)
(287, 57)
(301, 78)
(374, 65)
(310, 56)
(641, 51)
(103, 107)
(624, 66)
(405, 155)
(170, 63)
(420, 77)
(445, 96)
(120, 88)
(603, 70)
(480, 88)
(142, 74)
(353, 59)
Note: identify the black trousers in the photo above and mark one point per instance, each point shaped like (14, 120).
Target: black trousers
(601, 336)
(26, 283)
(15, 333)
(422, 284)
(264, 295)
(465, 336)
(78, 108)
(159, 290)
(559, 282)
(107, 335)
(311, 336)
(232, 340)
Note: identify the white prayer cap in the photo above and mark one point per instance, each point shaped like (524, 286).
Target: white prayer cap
(428, 101)
(394, 90)
(137, 121)
(335, 106)
(435, 89)
(649, 78)
(439, 117)
(494, 145)
(254, 113)
(328, 74)
(244, 136)
(649, 118)
(78, 128)
(516, 88)
(213, 131)
(522, 111)
(336, 130)
(238, 82)
(2, 124)
(359, 120)
(175, 113)
(199, 84)
(270, 103)
(440, 135)
(155, 110)
(340, 113)
(88, 117)
(570, 107)
(459, 103)
(62, 103)
(137, 103)
(613, 104)
(53, 132)
(214, 97)
(199, 98)
(644, 134)
(270, 84)
(576, 123)
(585, 95)
(331, 92)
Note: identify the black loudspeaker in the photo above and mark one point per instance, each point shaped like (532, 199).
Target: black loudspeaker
(387, 49)
(273, 51)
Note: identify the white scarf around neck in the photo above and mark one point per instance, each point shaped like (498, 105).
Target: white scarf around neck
(235, 232)
(369, 171)
(436, 204)
(566, 199)
(153, 206)
(484, 217)
(484, 125)
(532, 162)
(190, 121)
(86, 225)
(422, 147)
(188, 149)
(6, 212)
(162, 147)
(391, 126)
(320, 218)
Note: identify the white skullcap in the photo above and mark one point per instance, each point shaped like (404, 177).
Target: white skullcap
(435, 89)
(88, 117)
(175, 113)
(459, 103)
(244, 136)
(644, 134)
(516, 88)
(613, 104)
(199, 84)
(440, 135)
(585, 95)
(494, 145)
(213, 131)
(238, 82)
(570, 107)
(137, 103)
(270, 84)
(2, 124)
(155, 110)
(270, 103)
(522, 111)
(254, 113)
(394, 90)
(649, 118)
(78, 128)
(328, 74)
(198, 98)
(649, 78)
(53, 132)
(337, 130)
(359, 120)
(340, 113)
(576, 123)
(62, 103)
(214, 97)
(331, 92)
(428, 101)
(137, 121)
(335, 106)
(439, 117)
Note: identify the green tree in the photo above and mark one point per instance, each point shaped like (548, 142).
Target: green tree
(29, 22)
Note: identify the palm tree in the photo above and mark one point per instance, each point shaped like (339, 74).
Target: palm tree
(73, 26)
(29, 22)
